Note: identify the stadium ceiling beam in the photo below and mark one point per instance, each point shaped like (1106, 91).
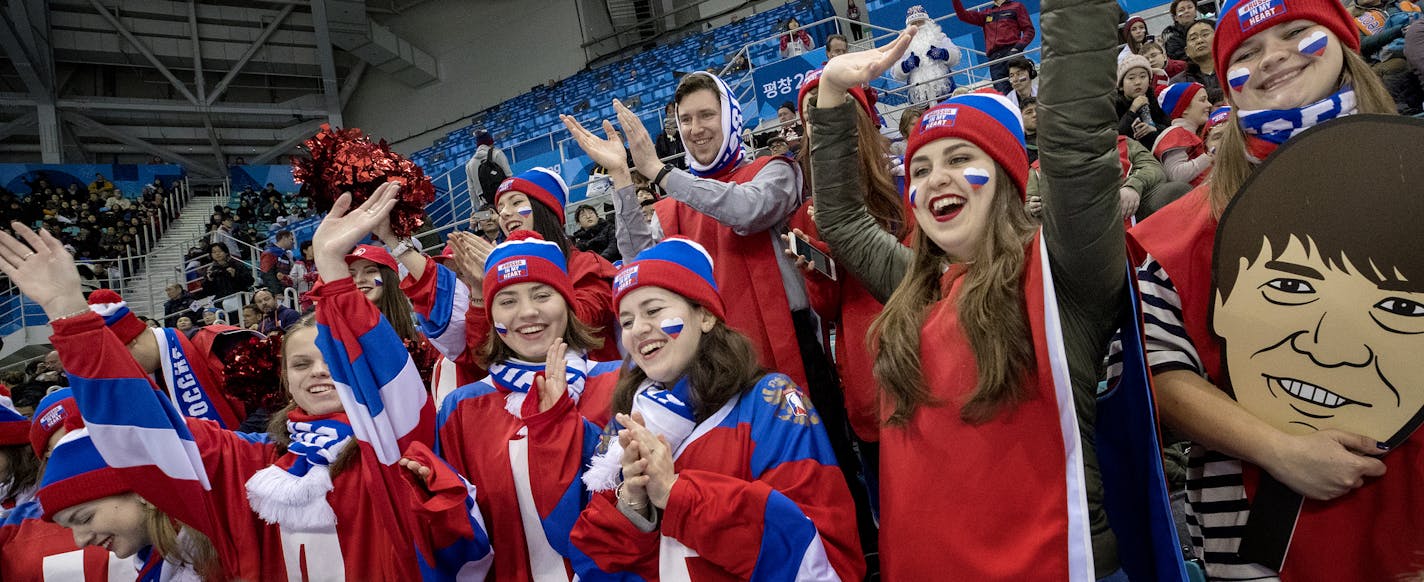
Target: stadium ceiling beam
(143, 49)
(298, 134)
(19, 125)
(331, 91)
(25, 65)
(251, 51)
(173, 106)
(201, 84)
(125, 138)
(8, 99)
(353, 79)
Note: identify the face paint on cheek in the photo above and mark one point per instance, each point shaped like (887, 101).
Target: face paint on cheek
(913, 191)
(525, 210)
(1314, 45)
(672, 327)
(500, 329)
(1237, 78)
(377, 281)
(977, 177)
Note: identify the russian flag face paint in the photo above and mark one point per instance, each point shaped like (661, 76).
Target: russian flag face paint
(1238, 77)
(672, 327)
(377, 281)
(1314, 45)
(977, 177)
(913, 191)
(525, 210)
(500, 329)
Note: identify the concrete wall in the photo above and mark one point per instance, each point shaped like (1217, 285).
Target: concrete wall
(488, 51)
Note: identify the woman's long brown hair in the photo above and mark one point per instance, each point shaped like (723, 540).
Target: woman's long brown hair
(991, 311)
(1231, 168)
(882, 199)
(724, 366)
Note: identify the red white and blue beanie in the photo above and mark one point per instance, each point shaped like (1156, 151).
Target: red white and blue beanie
(540, 184)
(1218, 117)
(861, 96)
(988, 120)
(678, 265)
(376, 254)
(76, 473)
(14, 427)
(1176, 97)
(55, 411)
(115, 311)
(525, 257)
(1242, 19)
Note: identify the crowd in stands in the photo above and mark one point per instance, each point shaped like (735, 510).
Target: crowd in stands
(847, 354)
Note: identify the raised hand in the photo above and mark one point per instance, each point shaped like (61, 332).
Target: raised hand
(607, 151)
(341, 230)
(470, 254)
(43, 270)
(554, 383)
(645, 155)
(857, 68)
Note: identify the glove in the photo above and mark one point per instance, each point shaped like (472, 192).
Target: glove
(938, 54)
(910, 63)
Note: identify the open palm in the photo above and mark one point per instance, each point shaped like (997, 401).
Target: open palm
(605, 151)
(857, 68)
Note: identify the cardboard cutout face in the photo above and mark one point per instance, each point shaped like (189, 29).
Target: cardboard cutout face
(1313, 344)
(1319, 289)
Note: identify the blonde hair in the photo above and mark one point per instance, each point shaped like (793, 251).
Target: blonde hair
(194, 550)
(1232, 166)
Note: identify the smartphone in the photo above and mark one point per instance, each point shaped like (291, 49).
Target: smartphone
(822, 262)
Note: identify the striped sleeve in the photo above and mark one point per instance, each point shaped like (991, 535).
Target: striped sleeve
(1168, 345)
(1217, 510)
(794, 521)
(379, 385)
(440, 301)
(133, 425)
(453, 542)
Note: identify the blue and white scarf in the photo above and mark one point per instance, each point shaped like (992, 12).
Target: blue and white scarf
(295, 497)
(731, 153)
(189, 395)
(1279, 125)
(517, 378)
(667, 412)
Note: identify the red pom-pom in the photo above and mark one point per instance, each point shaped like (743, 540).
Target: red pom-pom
(104, 297)
(344, 160)
(252, 372)
(523, 235)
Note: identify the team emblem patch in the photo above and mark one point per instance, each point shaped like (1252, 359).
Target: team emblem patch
(939, 118)
(1254, 13)
(626, 279)
(51, 418)
(791, 405)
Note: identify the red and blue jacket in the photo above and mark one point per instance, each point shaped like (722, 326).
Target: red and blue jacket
(758, 497)
(388, 527)
(41, 551)
(528, 466)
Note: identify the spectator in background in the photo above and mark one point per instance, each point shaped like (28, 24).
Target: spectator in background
(489, 230)
(304, 272)
(1023, 78)
(486, 169)
(1139, 115)
(100, 185)
(1028, 108)
(179, 303)
(1179, 147)
(210, 316)
(276, 262)
(669, 142)
(1134, 35)
(274, 317)
(790, 126)
(1201, 68)
(795, 42)
(852, 13)
(271, 190)
(185, 324)
(1007, 31)
(1163, 68)
(836, 45)
(225, 276)
(931, 57)
(595, 235)
(777, 146)
(1174, 37)
(251, 316)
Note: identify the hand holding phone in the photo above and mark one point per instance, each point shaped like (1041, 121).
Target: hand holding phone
(802, 248)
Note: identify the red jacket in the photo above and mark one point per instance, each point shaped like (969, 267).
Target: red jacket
(1005, 25)
(747, 274)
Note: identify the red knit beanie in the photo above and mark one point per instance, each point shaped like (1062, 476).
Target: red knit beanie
(58, 410)
(990, 122)
(76, 473)
(678, 265)
(525, 257)
(1242, 19)
(115, 311)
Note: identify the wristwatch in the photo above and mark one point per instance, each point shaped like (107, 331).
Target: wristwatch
(404, 246)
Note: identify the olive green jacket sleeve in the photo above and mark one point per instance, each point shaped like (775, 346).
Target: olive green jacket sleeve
(1083, 231)
(857, 242)
(1147, 172)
